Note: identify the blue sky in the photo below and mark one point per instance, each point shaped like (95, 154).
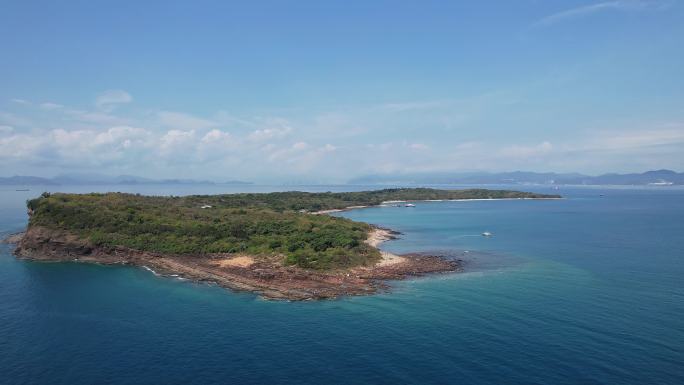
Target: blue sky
(323, 91)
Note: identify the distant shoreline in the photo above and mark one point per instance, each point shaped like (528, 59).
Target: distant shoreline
(388, 203)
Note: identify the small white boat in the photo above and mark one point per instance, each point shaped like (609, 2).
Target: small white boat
(486, 234)
(409, 205)
(661, 182)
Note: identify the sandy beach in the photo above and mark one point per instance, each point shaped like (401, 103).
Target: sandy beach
(378, 236)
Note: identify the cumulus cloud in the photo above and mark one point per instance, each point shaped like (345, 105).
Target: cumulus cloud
(76, 147)
(176, 143)
(272, 129)
(22, 147)
(216, 144)
(97, 146)
(124, 136)
(216, 137)
(181, 144)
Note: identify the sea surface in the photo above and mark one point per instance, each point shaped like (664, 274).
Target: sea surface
(584, 290)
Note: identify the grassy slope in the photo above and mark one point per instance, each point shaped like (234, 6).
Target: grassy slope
(259, 224)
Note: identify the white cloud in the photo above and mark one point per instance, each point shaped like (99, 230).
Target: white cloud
(108, 100)
(300, 146)
(22, 147)
(216, 145)
(97, 147)
(93, 117)
(177, 143)
(304, 159)
(77, 148)
(467, 146)
(269, 133)
(625, 140)
(524, 152)
(50, 106)
(416, 105)
(419, 146)
(20, 101)
(179, 120)
(99, 117)
(586, 10)
(329, 148)
(216, 136)
(335, 124)
(125, 136)
(10, 119)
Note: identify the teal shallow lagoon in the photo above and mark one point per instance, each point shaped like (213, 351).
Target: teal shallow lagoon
(583, 290)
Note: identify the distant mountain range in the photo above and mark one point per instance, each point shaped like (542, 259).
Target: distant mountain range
(656, 178)
(96, 179)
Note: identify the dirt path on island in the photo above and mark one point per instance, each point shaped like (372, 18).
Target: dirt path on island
(241, 261)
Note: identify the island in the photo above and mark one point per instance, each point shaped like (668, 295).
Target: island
(281, 245)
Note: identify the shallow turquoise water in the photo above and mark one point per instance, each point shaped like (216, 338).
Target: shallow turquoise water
(585, 290)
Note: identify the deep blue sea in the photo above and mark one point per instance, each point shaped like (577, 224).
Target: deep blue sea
(584, 290)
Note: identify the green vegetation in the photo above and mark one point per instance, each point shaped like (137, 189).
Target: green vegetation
(258, 224)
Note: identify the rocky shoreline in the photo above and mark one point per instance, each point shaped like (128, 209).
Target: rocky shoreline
(264, 275)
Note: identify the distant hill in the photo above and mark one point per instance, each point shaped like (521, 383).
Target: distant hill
(649, 177)
(657, 177)
(19, 180)
(97, 179)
